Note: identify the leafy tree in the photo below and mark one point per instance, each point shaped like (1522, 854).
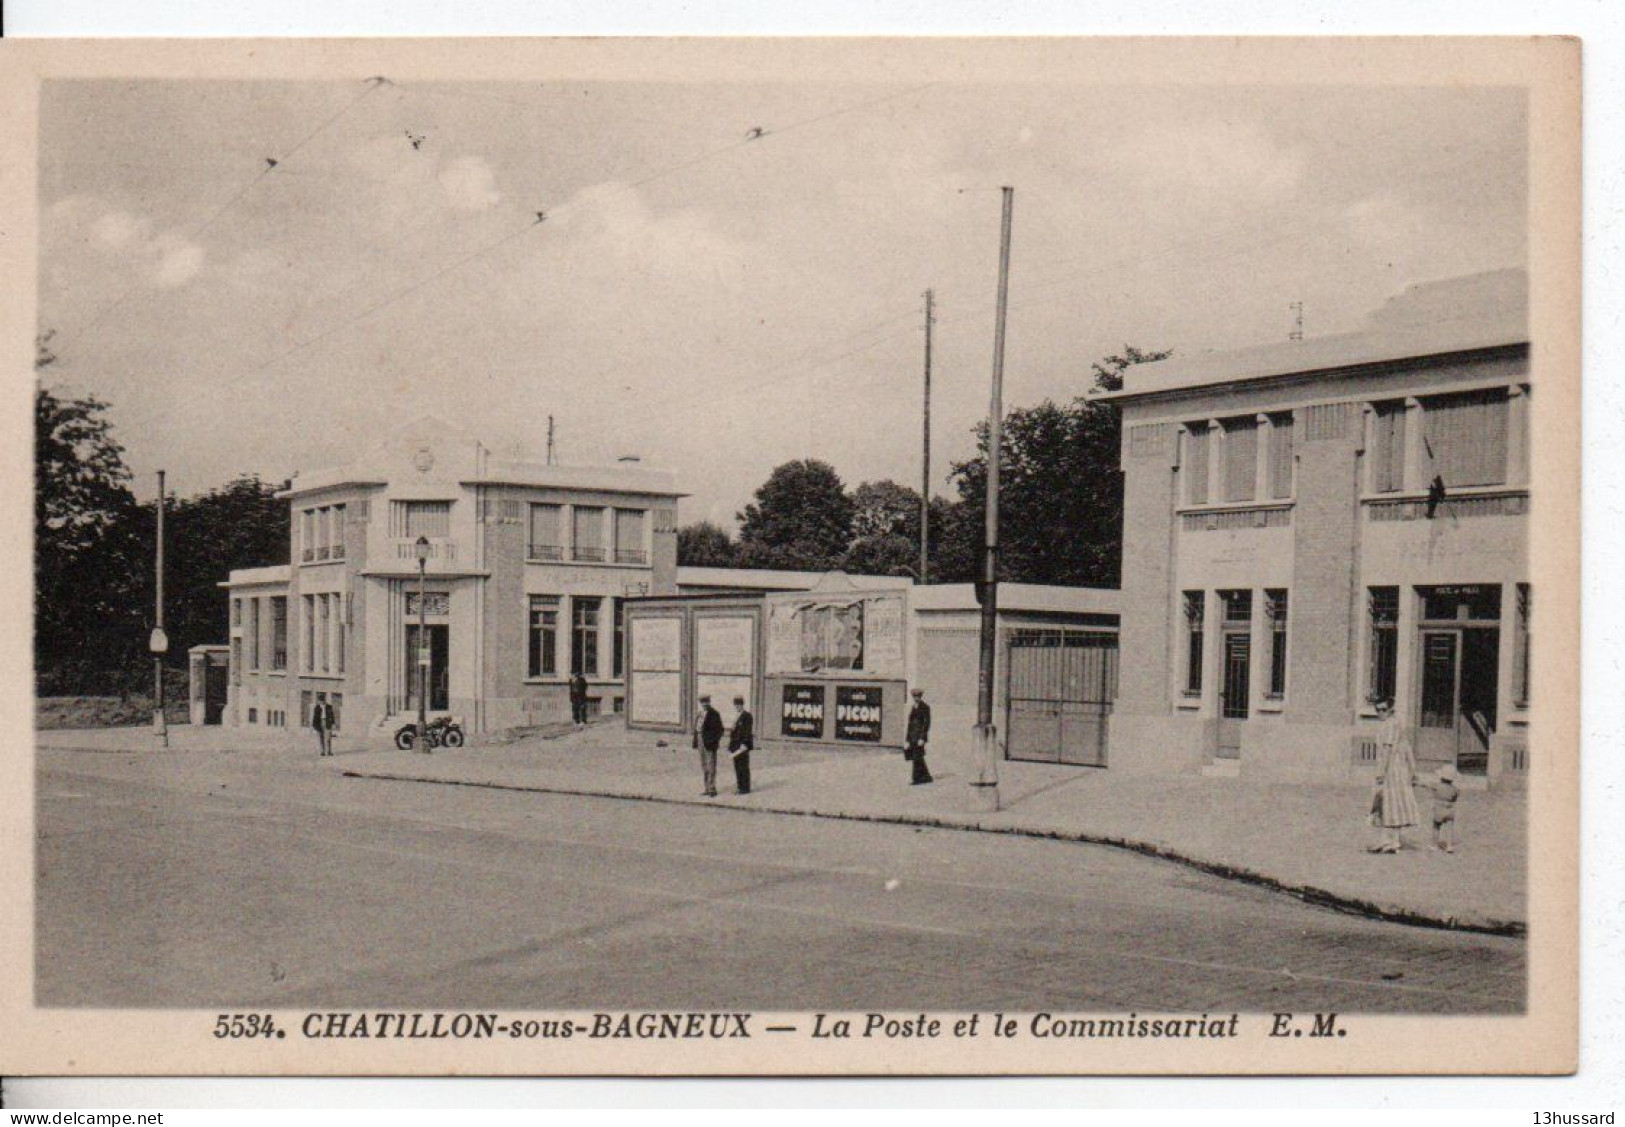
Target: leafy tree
(704, 544)
(242, 524)
(87, 587)
(801, 518)
(1061, 492)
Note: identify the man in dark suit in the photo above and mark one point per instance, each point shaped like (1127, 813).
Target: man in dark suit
(919, 734)
(741, 742)
(708, 738)
(578, 699)
(322, 719)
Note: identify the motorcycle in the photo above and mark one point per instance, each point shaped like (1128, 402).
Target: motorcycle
(443, 731)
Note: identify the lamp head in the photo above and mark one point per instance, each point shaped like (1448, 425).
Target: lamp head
(422, 549)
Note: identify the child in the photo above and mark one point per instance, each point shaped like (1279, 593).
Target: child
(1444, 810)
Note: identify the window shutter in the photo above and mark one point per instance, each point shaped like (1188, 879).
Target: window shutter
(1240, 459)
(1195, 464)
(1280, 456)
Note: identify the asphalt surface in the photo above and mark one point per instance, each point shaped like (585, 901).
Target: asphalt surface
(244, 882)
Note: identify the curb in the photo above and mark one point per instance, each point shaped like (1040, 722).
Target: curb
(1310, 894)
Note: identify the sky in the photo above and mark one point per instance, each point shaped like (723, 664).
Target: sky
(712, 301)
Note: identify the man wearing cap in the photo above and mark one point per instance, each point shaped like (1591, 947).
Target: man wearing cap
(919, 733)
(741, 742)
(708, 737)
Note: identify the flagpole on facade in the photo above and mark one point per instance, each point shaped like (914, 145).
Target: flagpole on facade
(984, 780)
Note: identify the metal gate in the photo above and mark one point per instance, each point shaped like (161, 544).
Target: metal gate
(1060, 684)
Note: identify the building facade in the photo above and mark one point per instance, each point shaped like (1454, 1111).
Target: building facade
(1314, 524)
(527, 570)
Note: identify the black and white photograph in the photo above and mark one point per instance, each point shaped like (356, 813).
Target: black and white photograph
(874, 557)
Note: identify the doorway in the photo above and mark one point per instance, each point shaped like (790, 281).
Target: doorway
(1457, 717)
(439, 639)
(1235, 671)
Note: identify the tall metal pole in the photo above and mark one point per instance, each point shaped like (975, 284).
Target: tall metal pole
(985, 778)
(423, 656)
(925, 459)
(160, 644)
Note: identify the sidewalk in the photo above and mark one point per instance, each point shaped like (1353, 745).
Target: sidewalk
(1307, 840)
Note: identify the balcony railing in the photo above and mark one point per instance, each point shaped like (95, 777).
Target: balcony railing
(1509, 504)
(307, 555)
(546, 552)
(438, 550)
(338, 551)
(587, 555)
(631, 556)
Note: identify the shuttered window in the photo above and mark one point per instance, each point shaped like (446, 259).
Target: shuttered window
(1280, 475)
(1388, 447)
(1240, 459)
(589, 534)
(411, 519)
(1465, 438)
(545, 541)
(1195, 464)
(629, 525)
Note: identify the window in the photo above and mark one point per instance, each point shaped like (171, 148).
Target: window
(1193, 643)
(307, 534)
(321, 533)
(1240, 459)
(1275, 610)
(341, 623)
(1520, 653)
(412, 519)
(1383, 668)
(584, 636)
(338, 532)
(324, 533)
(618, 661)
(236, 661)
(544, 634)
(545, 529)
(236, 612)
(1238, 607)
(1464, 438)
(629, 537)
(1280, 467)
(1388, 447)
(253, 633)
(324, 632)
(1194, 464)
(588, 540)
(279, 632)
(307, 656)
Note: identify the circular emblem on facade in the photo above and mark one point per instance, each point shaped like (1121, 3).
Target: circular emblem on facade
(423, 459)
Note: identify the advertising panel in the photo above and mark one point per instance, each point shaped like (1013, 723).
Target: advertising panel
(858, 713)
(803, 714)
(657, 697)
(724, 645)
(836, 635)
(657, 643)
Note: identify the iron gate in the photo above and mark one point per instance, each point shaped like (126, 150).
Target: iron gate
(1060, 684)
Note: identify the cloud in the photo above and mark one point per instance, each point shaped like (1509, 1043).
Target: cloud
(93, 232)
(470, 184)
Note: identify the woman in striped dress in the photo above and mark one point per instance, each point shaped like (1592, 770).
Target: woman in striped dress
(1395, 808)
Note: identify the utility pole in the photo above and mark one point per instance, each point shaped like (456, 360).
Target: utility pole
(550, 440)
(985, 778)
(159, 642)
(925, 460)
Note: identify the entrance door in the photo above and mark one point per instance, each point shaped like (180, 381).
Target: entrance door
(1458, 713)
(1234, 692)
(439, 667)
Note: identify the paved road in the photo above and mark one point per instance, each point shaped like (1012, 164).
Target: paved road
(183, 882)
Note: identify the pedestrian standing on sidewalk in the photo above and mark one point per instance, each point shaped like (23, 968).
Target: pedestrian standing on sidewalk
(323, 720)
(708, 738)
(578, 699)
(1394, 807)
(741, 742)
(917, 737)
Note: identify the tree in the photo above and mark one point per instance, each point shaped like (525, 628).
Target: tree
(801, 518)
(703, 544)
(88, 611)
(1061, 492)
(240, 525)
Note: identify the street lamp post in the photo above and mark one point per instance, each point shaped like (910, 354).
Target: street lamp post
(422, 549)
